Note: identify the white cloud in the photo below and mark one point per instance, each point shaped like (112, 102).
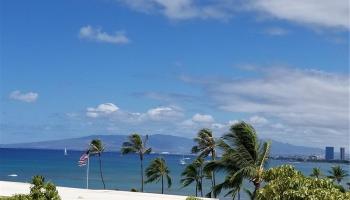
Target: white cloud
(257, 120)
(312, 13)
(164, 113)
(202, 118)
(276, 31)
(198, 121)
(101, 110)
(115, 114)
(321, 13)
(310, 104)
(28, 97)
(232, 122)
(184, 9)
(96, 34)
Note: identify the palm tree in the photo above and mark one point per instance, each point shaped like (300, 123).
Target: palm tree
(246, 155)
(156, 171)
(193, 173)
(226, 164)
(96, 148)
(337, 174)
(205, 146)
(316, 172)
(137, 145)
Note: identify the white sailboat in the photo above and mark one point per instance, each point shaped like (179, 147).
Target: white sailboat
(183, 160)
(65, 152)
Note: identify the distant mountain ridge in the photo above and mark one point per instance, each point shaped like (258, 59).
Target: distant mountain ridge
(158, 142)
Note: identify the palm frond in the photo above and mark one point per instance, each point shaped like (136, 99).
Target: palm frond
(169, 180)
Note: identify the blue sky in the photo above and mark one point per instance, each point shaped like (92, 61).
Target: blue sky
(76, 68)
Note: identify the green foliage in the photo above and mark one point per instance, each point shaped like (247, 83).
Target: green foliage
(135, 144)
(40, 190)
(134, 190)
(205, 143)
(205, 146)
(193, 173)
(244, 157)
(286, 183)
(43, 191)
(192, 198)
(316, 172)
(158, 170)
(96, 148)
(16, 197)
(337, 173)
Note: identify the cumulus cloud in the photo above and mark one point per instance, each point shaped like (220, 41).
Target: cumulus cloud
(257, 120)
(28, 97)
(202, 118)
(314, 13)
(306, 103)
(164, 113)
(328, 14)
(96, 34)
(101, 110)
(198, 121)
(115, 114)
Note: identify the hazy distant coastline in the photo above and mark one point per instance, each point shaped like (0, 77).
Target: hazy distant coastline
(159, 143)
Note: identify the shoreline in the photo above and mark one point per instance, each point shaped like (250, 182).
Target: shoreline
(8, 188)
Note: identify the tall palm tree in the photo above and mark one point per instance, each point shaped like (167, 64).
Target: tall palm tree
(193, 173)
(249, 156)
(205, 146)
(135, 144)
(96, 148)
(316, 172)
(337, 173)
(157, 171)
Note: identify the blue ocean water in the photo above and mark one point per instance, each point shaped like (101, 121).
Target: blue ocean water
(120, 171)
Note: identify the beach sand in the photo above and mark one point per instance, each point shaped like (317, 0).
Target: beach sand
(10, 188)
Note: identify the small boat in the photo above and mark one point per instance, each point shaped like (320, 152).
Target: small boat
(183, 160)
(65, 152)
(13, 175)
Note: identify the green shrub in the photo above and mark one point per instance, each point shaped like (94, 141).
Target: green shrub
(286, 183)
(192, 198)
(16, 197)
(38, 191)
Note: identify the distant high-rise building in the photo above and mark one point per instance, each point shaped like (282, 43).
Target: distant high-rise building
(329, 153)
(342, 153)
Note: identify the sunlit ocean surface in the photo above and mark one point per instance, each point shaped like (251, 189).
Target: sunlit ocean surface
(121, 172)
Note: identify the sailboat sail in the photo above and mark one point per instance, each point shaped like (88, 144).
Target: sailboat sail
(182, 160)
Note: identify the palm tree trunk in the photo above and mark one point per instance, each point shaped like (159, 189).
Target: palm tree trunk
(196, 188)
(213, 155)
(99, 157)
(239, 195)
(141, 173)
(162, 184)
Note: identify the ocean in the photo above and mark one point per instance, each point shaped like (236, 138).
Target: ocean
(121, 172)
